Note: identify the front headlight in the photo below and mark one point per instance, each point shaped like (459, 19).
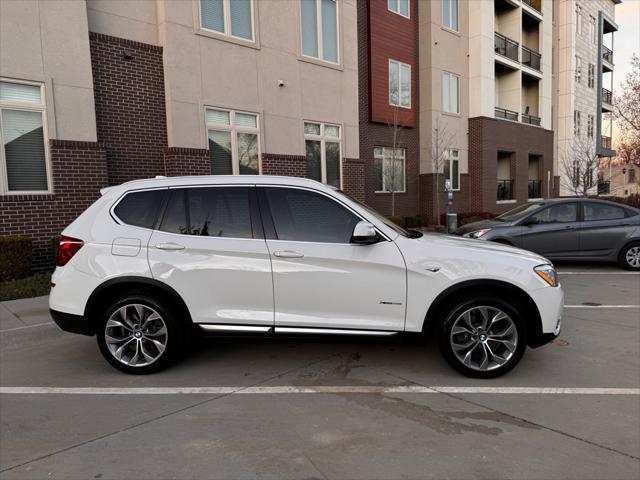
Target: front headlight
(548, 274)
(477, 233)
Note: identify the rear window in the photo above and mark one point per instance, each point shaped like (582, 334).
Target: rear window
(140, 209)
(602, 211)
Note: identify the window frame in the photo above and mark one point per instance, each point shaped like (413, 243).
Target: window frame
(593, 30)
(449, 160)
(578, 72)
(234, 130)
(579, 20)
(322, 138)
(400, 65)
(226, 12)
(319, 35)
(446, 73)
(577, 123)
(397, 12)
(404, 168)
(591, 76)
(26, 107)
(590, 125)
(457, 15)
(549, 207)
(585, 204)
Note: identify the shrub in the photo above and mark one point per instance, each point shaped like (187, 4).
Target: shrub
(632, 200)
(397, 220)
(413, 222)
(15, 257)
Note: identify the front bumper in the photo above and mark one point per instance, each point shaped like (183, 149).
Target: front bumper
(71, 323)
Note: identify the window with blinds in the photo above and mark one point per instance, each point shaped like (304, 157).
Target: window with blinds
(233, 18)
(234, 142)
(23, 154)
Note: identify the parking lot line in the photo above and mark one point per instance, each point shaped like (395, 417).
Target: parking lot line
(292, 389)
(602, 306)
(612, 272)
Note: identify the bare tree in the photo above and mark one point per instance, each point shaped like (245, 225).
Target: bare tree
(441, 142)
(390, 170)
(627, 105)
(580, 165)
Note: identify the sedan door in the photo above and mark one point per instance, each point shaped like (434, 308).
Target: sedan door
(605, 229)
(210, 248)
(320, 278)
(553, 231)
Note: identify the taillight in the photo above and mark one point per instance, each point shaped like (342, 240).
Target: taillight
(68, 247)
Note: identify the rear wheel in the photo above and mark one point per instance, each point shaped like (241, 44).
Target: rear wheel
(483, 337)
(139, 334)
(629, 257)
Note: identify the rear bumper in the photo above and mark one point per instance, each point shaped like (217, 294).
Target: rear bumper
(71, 323)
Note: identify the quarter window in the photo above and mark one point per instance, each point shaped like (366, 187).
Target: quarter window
(319, 29)
(450, 14)
(233, 18)
(450, 92)
(23, 153)
(561, 213)
(323, 150)
(305, 216)
(401, 7)
(399, 84)
(140, 209)
(389, 169)
(452, 168)
(234, 142)
(602, 211)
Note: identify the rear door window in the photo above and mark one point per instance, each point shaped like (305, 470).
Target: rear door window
(602, 211)
(140, 209)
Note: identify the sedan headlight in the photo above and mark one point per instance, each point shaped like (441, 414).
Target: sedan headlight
(477, 233)
(548, 274)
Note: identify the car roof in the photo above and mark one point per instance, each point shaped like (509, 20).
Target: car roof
(582, 199)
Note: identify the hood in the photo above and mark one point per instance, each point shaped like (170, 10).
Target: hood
(472, 227)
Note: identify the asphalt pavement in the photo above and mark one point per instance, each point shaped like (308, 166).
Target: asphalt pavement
(329, 408)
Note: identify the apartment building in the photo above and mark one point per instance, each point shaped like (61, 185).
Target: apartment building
(583, 40)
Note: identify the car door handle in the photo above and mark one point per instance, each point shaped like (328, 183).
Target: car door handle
(288, 254)
(169, 246)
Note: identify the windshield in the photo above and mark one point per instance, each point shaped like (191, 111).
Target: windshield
(519, 212)
(382, 218)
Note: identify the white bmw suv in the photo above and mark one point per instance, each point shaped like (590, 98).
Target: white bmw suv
(154, 258)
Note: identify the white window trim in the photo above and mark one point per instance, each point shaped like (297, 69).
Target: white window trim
(323, 139)
(408, 15)
(404, 168)
(448, 159)
(451, 74)
(400, 65)
(226, 11)
(578, 73)
(448, 27)
(4, 179)
(234, 129)
(320, 57)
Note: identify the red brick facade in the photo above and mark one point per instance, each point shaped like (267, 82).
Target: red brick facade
(287, 165)
(186, 161)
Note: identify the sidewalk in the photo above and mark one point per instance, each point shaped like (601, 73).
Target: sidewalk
(25, 321)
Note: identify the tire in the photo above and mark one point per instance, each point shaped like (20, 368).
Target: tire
(629, 257)
(501, 342)
(140, 347)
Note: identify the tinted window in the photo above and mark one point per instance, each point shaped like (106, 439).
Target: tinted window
(213, 212)
(519, 212)
(561, 213)
(602, 211)
(140, 208)
(301, 215)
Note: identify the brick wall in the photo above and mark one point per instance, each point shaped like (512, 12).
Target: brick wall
(186, 161)
(78, 170)
(128, 86)
(287, 165)
(353, 174)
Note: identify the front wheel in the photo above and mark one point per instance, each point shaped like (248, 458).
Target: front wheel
(483, 337)
(629, 258)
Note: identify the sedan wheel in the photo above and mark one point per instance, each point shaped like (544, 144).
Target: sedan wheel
(630, 257)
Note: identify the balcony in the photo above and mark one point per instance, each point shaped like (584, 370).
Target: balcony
(505, 190)
(530, 119)
(605, 142)
(607, 59)
(535, 4)
(604, 187)
(506, 114)
(534, 189)
(506, 47)
(531, 58)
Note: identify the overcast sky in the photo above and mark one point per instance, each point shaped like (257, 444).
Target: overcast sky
(627, 38)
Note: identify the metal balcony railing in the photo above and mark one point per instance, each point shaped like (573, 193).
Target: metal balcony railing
(506, 47)
(530, 119)
(604, 188)
(535, 4)
(605, 142)
(607, 96)
(531, 58)
(504, 113)
(607, 54)
(535, 189)
(505, 190)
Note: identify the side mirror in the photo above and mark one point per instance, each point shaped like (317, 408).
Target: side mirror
(364, 233)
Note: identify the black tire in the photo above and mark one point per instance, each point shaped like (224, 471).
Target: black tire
(623, 261)
(174, 340)
(456, 311)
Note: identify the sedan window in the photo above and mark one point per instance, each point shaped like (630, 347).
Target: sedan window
(560, 213)
(140, 208)
(602, 211)
(519, 212)
(304, 216)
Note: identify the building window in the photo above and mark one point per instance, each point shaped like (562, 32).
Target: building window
(319, 29)
(452, 168)
(322, 145)
(389, 168)
(234, 142)
(23, 152)
(233, 18)
(399, 84)
(450, 14)
(590, 121)
(578, 19)
(632, 176)
(591, 80)
(401, 7)
(450, 92)
(578, 69)
(576, 123)
(592, 29)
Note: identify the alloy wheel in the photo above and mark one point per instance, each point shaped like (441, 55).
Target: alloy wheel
(633, 257)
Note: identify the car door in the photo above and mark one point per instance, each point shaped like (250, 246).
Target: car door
(604, 229)
(320, 278)
(210, 248)
(553, 231)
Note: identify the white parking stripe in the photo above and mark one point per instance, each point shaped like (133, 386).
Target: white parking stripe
(292, 389)
(26, 327)
(602, 306)
(560, 272)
